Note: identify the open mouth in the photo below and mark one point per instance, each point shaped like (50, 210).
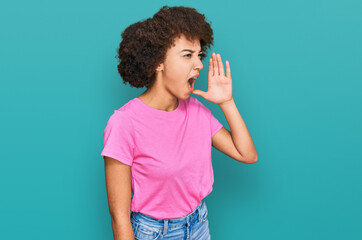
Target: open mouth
(191, 83)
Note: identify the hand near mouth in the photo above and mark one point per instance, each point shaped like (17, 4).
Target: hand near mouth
(219, 85)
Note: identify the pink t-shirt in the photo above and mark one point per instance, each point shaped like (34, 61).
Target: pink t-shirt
(170, 154)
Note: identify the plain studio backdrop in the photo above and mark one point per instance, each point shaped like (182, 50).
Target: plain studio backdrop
(297, 82)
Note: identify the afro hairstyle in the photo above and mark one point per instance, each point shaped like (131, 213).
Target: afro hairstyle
(145, 43)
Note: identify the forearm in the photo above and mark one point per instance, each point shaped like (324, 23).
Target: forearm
(122, 228)
(239, 132)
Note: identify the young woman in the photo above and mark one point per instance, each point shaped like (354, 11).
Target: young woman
(158, 145)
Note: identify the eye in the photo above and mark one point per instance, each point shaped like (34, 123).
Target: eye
(201, 55)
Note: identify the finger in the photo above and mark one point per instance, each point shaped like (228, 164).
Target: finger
(216, 69)
(199, 92)
(221, 66)
(211, 68)
(228, 71)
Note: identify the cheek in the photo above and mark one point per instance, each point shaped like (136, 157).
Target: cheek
(177, 74)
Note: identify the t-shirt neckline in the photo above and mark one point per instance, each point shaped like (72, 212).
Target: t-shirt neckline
(158, 111)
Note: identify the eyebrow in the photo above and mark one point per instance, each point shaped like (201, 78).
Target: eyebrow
(189, 50)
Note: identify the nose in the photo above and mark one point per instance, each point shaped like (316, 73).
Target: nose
(198, 64)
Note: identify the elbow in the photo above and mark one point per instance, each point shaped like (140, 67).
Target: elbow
(254, 160)
(249, 160)
(121, 216)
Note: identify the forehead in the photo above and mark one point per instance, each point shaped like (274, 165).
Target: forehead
(182, 42)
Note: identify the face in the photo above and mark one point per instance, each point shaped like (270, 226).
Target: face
(182, 62)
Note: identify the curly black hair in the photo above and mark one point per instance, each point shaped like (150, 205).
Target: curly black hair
(145, 43)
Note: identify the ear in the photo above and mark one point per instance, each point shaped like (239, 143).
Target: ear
(160, 68)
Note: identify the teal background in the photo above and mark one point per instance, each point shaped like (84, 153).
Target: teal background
(296, 71)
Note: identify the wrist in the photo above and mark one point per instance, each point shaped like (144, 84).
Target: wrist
(228, 102)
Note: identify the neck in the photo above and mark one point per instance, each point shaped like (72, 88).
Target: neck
(160, 99)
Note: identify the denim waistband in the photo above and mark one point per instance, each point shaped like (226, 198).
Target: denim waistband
(199, 213)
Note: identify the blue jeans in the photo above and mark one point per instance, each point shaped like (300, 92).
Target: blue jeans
(194, 226)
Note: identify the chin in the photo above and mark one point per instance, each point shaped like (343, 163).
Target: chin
(186, 96)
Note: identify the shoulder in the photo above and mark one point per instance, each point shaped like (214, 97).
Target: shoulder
(195, 103)
(119, 128)
(122, 114)
(120, 119)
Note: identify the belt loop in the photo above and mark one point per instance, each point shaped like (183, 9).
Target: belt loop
(165, 224)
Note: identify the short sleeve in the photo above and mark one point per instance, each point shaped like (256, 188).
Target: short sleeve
(118, 142)
(215, 125)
